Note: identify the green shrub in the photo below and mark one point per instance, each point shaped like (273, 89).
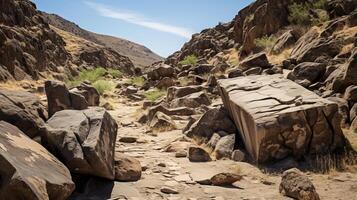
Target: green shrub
(319, 4)
(93, 75)
(115, 73)
(299, 14)
(265, 42)
(189, 60)
(138, 81)
(103, 86)
(154, 94)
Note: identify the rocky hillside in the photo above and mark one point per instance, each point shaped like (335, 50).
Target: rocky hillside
(31, 49)
(140, 55)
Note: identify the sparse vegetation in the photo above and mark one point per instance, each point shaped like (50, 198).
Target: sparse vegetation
(189, 60)
(154, 94)
(300, 13)
(138, 81)
(265, 42)
(97, 78)
(103, 86)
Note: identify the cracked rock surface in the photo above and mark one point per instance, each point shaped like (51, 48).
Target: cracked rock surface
(277, 117)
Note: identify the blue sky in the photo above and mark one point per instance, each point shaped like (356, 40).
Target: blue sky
(161, 25)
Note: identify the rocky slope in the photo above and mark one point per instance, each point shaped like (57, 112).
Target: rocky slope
(30, 48)
(140, 55)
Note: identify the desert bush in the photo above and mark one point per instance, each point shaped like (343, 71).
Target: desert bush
(189, 60)
(265, 42)
(300, 13)
(154, 94)
(93, 75)
(115, 73)
(103, 86)
(138, 81)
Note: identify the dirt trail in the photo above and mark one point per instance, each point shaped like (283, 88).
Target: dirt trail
(165, 170)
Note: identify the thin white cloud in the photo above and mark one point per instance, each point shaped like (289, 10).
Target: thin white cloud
(135, 18)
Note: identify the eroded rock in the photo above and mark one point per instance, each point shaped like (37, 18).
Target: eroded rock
(84, 140)
(296, 185)
(23, 110)
(126, 168)
(28, 170)
(276, 117)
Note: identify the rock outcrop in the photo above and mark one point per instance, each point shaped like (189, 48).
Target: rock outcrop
(78, 98)
(84, 140)
(23, 110)
(277, 117)
(31, 49)
(29, 171)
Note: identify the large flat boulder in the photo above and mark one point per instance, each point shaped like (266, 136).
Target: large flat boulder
(277, 117)
(29, 171)
(23, 110)
(84, 140)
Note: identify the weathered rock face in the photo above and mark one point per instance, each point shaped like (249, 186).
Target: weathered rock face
(344, 76)
(212, 121)
(28, 45)
(285, 41)
(309, 47)
(193, 100)
(206, 44)
(60, 98)
(178, 92)
(126, 168)
(225, 146)
(28, 170)
(308, 71)
(296, 185)
(23, 110)
(256, 60)
(197, 154)
(277, 117)
(84, 140)
(263, 17)
(160, 71)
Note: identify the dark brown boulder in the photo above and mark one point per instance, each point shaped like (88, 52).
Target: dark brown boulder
(57, 97)
(256, 60)
(23, 110)
(78, 98)
(214, 120)
(296, 185)
(28, 170)
(345, 75)
(193, 100)
(84, 140)
(126, 168)
(160, 71)
(89, 92)
(198, 154)
(225, 146)
(234, 72)
(285, 41)
(178, 92)
(307, 70)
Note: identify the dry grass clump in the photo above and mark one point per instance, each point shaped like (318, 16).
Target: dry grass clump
(333, 162)
(279, 58)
